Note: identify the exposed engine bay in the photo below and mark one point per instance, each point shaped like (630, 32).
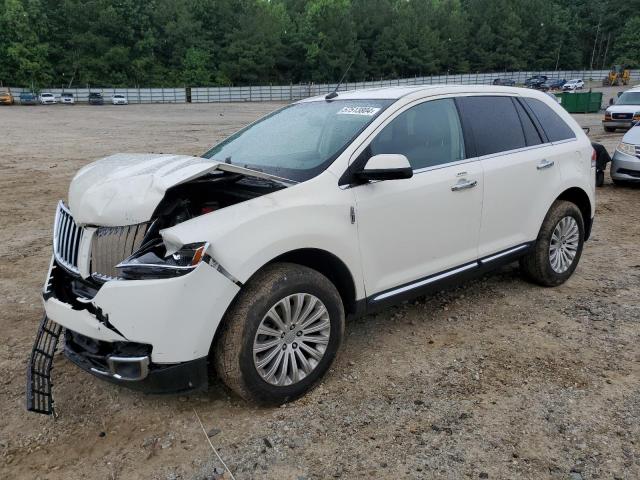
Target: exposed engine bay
(207, 194)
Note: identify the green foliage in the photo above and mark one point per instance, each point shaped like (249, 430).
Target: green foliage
(627, 50)
(239, 42)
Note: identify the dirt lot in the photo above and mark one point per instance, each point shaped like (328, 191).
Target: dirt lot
(496, 379)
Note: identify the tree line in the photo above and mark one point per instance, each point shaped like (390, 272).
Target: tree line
(242, 42)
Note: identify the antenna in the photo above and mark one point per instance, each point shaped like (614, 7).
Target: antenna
(334, 94)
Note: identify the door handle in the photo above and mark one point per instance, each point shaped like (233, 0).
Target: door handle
(463, 185)
(545, 164)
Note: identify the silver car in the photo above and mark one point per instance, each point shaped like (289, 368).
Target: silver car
(625, 164)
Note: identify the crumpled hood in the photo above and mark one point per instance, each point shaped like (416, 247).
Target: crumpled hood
(125, 189)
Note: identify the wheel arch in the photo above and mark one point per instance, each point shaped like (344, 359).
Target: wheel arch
(331, 267)
(580, 198)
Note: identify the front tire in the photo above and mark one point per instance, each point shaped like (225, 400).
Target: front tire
(281, 334)
(556, 253)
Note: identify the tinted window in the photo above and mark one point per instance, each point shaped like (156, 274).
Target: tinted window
(555, 128)
(531, 135)
(428, 134)
(494, 123)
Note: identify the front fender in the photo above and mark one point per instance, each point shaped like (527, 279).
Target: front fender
(246, 236)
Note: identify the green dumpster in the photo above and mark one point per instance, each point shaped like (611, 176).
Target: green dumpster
(584, 102)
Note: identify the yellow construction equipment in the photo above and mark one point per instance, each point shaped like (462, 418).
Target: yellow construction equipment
(619, 75)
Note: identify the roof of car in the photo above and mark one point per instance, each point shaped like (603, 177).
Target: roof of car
(394, 93)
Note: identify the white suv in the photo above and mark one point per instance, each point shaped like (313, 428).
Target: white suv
(248, 259)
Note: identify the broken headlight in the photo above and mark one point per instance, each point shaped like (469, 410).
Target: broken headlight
(152, 261)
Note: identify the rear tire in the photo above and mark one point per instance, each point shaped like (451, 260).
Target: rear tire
(599, 178)
(281, 300)
(556, 253)
(609, 129)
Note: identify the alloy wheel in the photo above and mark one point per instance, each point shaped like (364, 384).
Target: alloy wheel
(565, 241)
(291, 339)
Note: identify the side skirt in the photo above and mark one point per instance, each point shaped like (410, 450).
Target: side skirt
(445, 279)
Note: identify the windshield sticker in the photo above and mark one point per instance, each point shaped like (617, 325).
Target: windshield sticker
(366, 111)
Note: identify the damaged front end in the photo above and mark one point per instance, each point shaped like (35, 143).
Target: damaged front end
(132, 309)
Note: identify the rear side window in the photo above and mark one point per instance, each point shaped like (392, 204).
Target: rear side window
(494, 124)
(531, 134)
(555, 128)
(428, 134)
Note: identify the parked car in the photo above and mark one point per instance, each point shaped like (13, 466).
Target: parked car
(96, 98)
(67, 98)
(553, 84)
(249, 258)
(574, 84)
(6, 98)
(119, 99)
(624, 112)
(507, 82)
(47, 98)
(625, 164)
(535, 82)
(28, 98)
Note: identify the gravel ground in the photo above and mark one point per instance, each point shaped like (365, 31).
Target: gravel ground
(495, 379)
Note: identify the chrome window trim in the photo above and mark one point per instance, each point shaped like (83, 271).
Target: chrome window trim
(446, 165)
(566, 140)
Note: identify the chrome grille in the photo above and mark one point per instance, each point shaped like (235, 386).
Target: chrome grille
(66, 238)
(111, 245)
(638, 151)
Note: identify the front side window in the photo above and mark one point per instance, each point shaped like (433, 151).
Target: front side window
(300, 140)
(428, 134)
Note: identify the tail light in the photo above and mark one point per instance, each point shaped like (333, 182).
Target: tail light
(593, 158)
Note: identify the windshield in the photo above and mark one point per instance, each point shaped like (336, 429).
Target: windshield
(300, 140)
(629, 98)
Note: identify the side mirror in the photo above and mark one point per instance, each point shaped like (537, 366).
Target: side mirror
(386, 167)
